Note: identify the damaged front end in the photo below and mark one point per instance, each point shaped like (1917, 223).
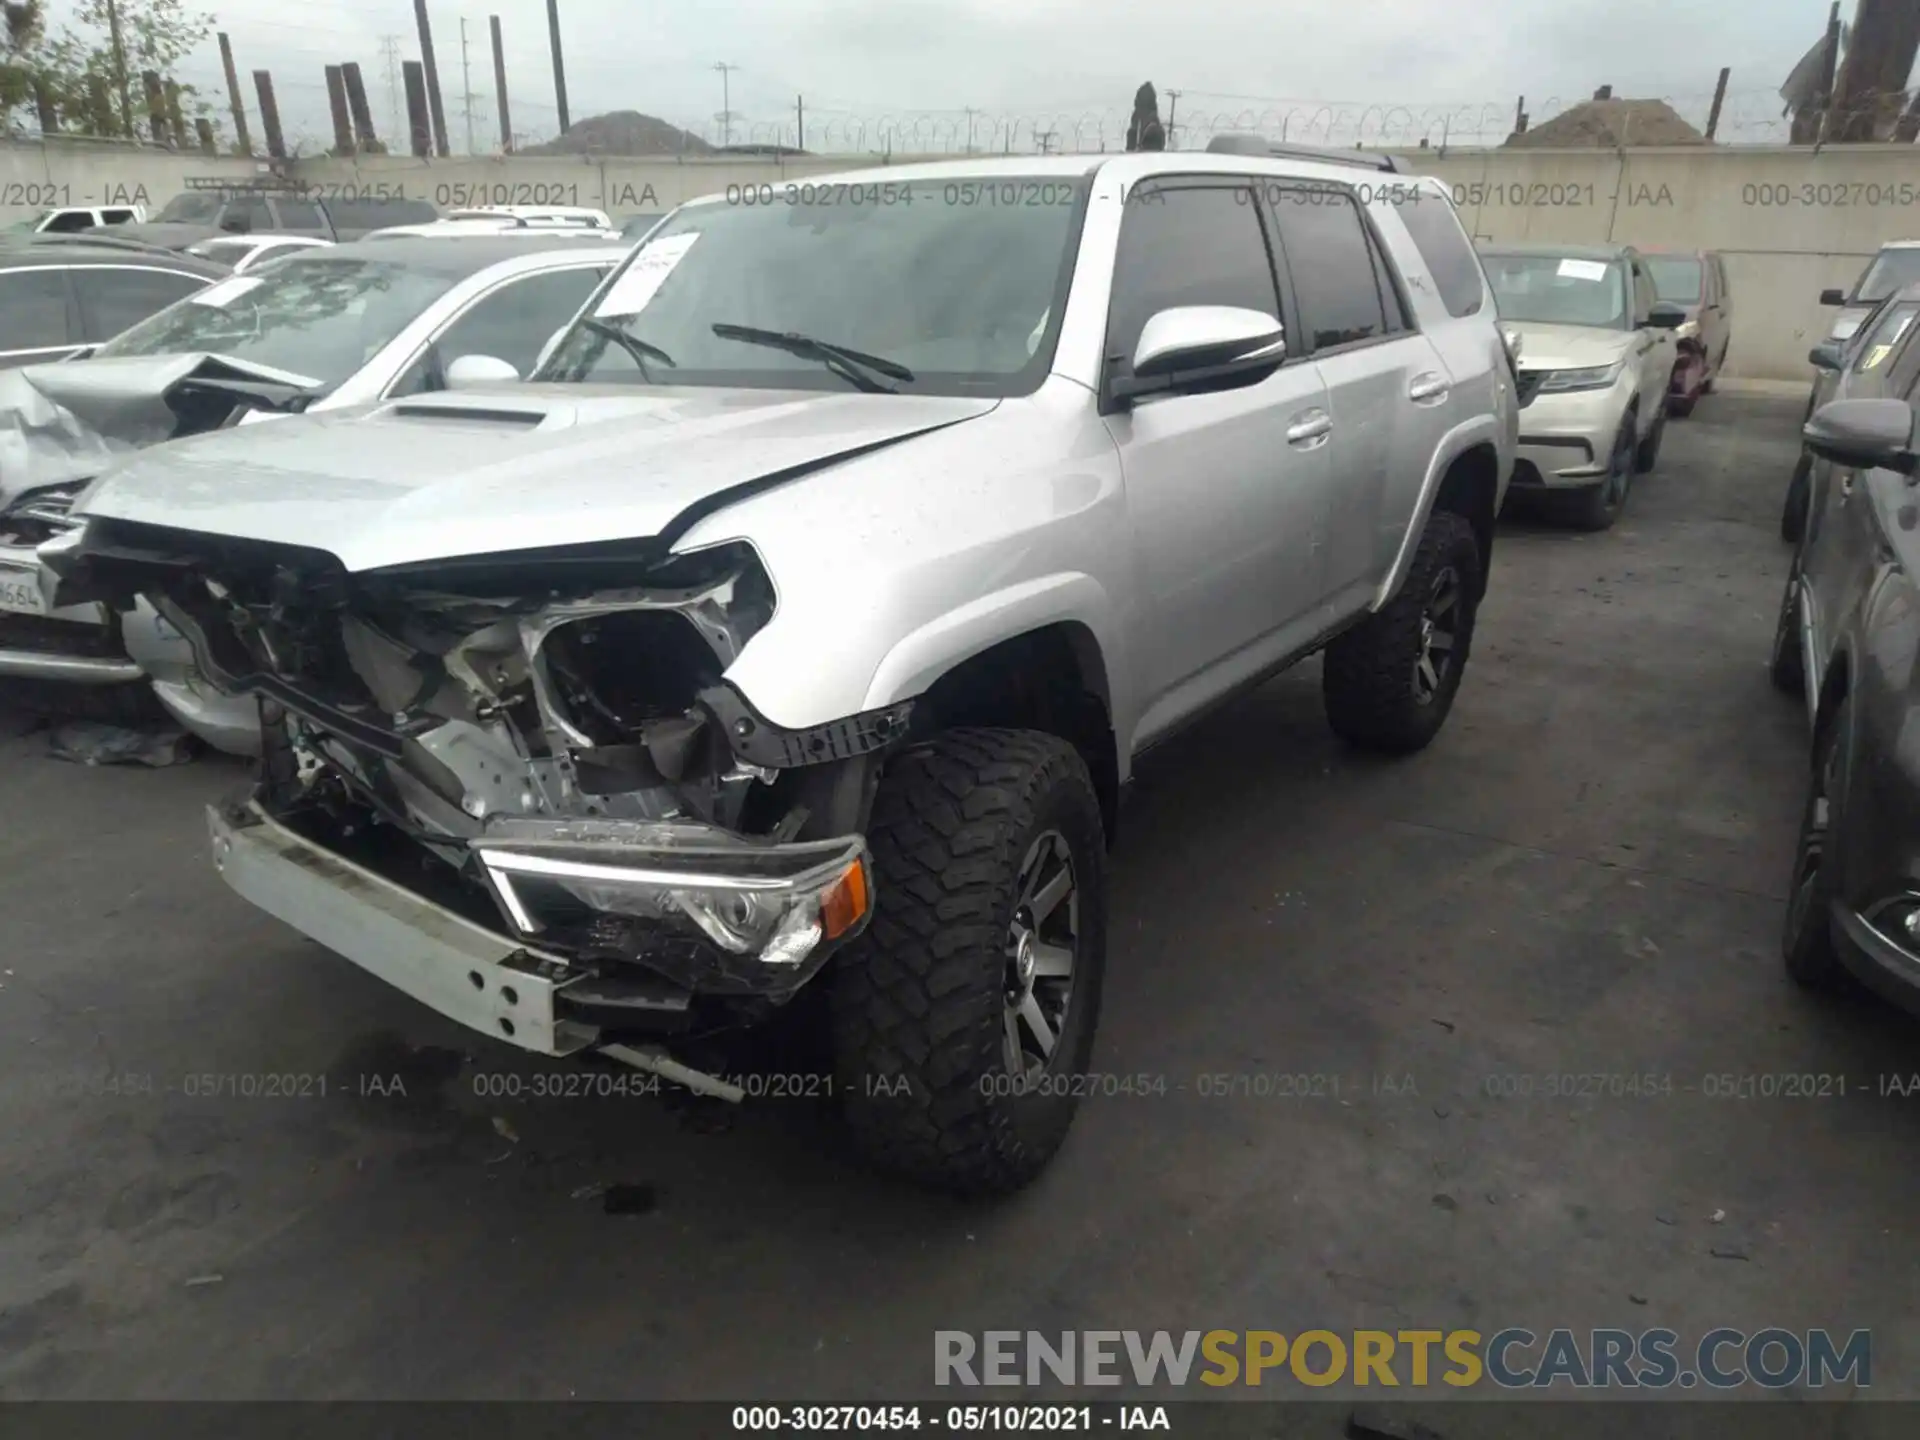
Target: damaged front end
(541, 746)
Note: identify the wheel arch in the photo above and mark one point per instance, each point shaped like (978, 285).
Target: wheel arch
(1463, 477)
(1052, 678)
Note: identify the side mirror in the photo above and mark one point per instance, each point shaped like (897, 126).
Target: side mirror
(1864, 435)
(1193, 344)
(1667, 316)
(475, 370)
(1833, 297)
(1826, 356)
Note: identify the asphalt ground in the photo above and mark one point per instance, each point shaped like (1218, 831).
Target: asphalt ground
(1584, 877)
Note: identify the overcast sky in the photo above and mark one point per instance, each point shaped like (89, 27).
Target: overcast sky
(1057, 61)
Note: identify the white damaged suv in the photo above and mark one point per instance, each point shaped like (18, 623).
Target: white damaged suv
(798, 627)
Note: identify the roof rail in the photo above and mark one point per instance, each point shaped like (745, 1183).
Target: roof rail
(99, 242)
(248, 185)
(1280, 150)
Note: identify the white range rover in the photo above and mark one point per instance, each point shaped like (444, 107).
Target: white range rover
(799, 625)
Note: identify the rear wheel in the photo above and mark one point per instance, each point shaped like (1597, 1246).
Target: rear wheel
(1389, 683)
(963, 1015)
(1681, 406)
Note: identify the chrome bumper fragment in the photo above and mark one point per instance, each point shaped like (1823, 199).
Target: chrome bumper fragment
(487, 982)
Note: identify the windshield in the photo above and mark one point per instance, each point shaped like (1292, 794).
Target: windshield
(311, 315)
(957, 282)
(1675, 279)
(192, 207)
(227, 252)
(1557, 290)
(1891, 270)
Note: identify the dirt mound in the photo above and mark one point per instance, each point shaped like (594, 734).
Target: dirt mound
(623, 132)
(1609, 124)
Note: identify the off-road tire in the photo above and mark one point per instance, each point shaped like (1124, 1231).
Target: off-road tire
(1793, 511)
(1784, 669)
(1647, 453)
(1367, 680)
(1681, 406)
(1807, 941)
(918, 1001)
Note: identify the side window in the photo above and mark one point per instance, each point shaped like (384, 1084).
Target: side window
(1187, 245)
(299, 215)
(69, 222)
(116, 217)
(511, 323)
(34, 310)
(112, 300)
(1444, 246)
(1331, 261)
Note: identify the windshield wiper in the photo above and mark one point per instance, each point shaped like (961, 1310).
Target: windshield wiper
(641, 350)
(851, 365)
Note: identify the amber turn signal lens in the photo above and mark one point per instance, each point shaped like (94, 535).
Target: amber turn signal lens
(846, 903)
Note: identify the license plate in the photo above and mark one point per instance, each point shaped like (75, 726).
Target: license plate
(20, 592)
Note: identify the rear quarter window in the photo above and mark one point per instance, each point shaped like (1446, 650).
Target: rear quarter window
(1444, 246)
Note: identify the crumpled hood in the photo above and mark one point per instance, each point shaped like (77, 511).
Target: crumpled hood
(1567, 347)
(494, 471)
(69, 421)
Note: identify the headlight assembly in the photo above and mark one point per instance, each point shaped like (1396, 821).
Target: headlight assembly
(1597, 377)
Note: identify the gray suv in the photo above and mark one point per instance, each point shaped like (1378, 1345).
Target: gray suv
(799, 626)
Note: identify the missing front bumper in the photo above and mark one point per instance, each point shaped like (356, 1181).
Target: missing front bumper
(487, 982)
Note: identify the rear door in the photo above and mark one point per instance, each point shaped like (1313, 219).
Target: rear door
(117, 297)
(1387, 387)
(299, 217)
(1226, 489)
(39, 319)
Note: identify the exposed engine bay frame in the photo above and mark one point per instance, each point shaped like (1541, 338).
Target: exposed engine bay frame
(574, 757)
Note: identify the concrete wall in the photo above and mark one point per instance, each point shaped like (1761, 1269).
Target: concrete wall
(1790, 222)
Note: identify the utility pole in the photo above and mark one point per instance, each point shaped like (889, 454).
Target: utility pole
(120, 69)
(559, 65)
(725, 117)
(500, 86)
(431, 71)
(799, 122)
(390, 52)
(233, 95)
(466, 84)
(970, 112)
(1173, 108)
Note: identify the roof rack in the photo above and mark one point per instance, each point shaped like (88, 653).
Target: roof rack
(1280, 150)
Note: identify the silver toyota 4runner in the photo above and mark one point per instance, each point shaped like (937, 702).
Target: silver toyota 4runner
(797, 629)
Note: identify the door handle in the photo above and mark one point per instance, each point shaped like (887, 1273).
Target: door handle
(1846, 487)
(1309, 429)
(1427, 388)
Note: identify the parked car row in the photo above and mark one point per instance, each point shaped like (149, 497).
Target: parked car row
(1604, 357)
(1846, 641)
(794, 626)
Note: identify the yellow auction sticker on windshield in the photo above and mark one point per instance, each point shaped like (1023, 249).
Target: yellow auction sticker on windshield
(642, 279)
(1875, 356)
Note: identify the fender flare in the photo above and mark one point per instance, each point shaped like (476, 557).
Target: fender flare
(1455, 443)
(922, 656)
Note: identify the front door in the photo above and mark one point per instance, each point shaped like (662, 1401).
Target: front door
(1226, 490)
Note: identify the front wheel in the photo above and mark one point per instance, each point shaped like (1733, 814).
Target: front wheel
(1598, 506)
(1807, 942)
(964, 1016)
(1389, 683)
(1793, 514)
